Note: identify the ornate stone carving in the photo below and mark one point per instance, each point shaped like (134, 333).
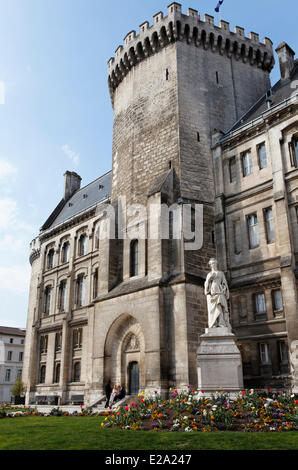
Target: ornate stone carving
(132, 344)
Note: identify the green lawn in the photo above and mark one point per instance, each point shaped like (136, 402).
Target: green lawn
(68, 433)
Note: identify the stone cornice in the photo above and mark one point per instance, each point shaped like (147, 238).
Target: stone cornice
(76, 220)
(268, 119)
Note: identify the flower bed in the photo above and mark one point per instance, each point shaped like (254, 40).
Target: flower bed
(250, 411)
(8, 411)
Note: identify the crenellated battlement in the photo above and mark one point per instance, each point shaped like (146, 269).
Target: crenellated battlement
(189, 28)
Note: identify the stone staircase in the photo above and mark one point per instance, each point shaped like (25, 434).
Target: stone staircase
(125, 401)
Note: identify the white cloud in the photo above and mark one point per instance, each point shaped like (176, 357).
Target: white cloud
(7, 170)
(15, 278)
(71, 154)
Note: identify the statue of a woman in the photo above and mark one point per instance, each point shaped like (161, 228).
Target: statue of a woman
(217, 292)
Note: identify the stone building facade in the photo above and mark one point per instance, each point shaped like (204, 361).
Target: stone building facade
(12, 341)
(119, 300)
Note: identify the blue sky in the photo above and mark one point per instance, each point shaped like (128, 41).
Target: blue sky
(57, 115)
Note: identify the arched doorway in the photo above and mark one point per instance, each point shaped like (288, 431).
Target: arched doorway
(134, 378)
(124, 346)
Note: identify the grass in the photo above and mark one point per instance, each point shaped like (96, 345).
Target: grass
(70, 433)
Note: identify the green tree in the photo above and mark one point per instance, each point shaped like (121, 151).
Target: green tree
(19, 389)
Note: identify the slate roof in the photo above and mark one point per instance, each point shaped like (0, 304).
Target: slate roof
(282, 90)
(6, 330)
(87, 197)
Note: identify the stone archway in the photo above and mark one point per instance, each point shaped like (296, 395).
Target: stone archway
(125, 345)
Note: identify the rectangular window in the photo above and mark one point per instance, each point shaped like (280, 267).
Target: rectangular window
(77, 372)
(269, 221)
(262, 156)
(19, 373)
(7, 375)
(57, 373)
(62, 296)
(21, 356)
(237, 236)
(44, 344)
(232, 169)
(247, 163)
(9, 355)
(283, 352)
(264, 353)
(253, 231)
(80, 294)
(260, 303)
(11, 340)
(277, 300)
(95, 283)
(58, 342)
(77, 338)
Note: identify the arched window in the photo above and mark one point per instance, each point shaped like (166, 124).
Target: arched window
(80, 290)
(134, 258)
(293, 145)
(47, 300)
(95, 283)
(50, 258)
(96, 238)
(82, 246)
(62, 296)
(57, 373)
(65, 252)
(42, 378)
(77, 372)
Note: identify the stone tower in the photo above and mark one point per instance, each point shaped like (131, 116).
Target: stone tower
(171, 86)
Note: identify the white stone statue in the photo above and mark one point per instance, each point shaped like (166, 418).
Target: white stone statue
(217, 292)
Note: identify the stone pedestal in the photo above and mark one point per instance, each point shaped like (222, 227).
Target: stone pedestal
(219, 362)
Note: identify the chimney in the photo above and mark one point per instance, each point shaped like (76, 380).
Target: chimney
(286, 57)
(72, 182)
